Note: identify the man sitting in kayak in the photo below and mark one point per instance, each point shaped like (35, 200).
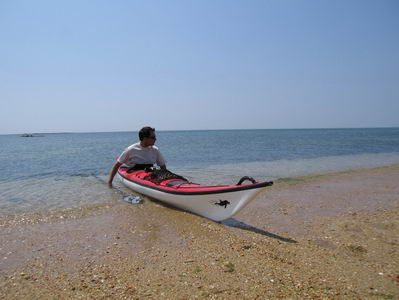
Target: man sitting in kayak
(139, 154)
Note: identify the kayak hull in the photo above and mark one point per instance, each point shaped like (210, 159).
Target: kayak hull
(213, 202)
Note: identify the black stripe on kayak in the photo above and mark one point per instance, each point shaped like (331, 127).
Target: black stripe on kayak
(226, 190)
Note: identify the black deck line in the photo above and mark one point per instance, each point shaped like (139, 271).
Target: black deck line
(227, 190)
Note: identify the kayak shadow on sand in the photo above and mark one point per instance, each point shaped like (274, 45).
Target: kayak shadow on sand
(237, 224)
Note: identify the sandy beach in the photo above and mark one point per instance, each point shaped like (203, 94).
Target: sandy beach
(331, 236)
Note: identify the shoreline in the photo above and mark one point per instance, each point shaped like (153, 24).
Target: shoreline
(327, 236)
(279, 183)
(327, 175)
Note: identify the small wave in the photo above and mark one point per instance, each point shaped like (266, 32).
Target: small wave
(262, 170)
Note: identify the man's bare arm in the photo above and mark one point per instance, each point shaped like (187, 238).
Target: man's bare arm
(113, 172)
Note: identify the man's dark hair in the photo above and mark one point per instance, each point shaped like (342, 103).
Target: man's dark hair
(145, 132)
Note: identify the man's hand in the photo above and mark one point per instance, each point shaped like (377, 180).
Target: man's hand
(114, 170)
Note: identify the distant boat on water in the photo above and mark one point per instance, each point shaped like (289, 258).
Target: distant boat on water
(31, 135)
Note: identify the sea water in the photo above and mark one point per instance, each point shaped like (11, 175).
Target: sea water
(58, 171)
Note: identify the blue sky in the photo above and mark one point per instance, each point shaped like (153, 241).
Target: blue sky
(176, 65)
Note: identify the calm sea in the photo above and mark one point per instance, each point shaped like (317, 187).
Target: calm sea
(57, 171)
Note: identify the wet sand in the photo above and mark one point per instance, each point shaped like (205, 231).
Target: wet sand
(321, 237)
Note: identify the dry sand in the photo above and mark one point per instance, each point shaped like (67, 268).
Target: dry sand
(323, 237)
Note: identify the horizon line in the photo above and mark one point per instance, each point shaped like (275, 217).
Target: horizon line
(217, 129)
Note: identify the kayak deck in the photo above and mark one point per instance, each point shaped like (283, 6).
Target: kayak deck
(177, 186)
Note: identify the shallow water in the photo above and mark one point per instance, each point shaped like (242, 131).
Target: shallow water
(53, 193)
(58, 171)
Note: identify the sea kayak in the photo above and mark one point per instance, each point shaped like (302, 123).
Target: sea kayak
(213, 202)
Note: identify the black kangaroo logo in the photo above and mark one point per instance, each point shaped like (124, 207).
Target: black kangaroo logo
(223, 203)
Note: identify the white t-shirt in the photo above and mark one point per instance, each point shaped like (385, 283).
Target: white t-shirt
(136, 154)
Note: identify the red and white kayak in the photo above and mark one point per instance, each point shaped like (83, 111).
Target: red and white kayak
(214, 202)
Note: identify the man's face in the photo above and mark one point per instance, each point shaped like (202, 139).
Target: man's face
(149, 141)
